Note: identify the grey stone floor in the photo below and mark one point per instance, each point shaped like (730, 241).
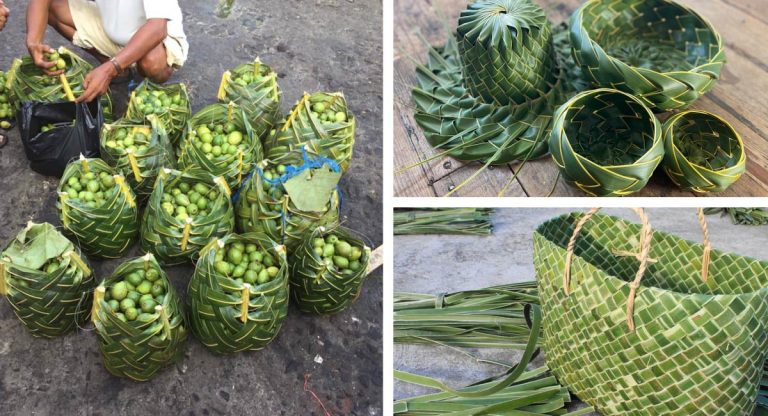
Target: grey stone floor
(435, 264)
(332, 45)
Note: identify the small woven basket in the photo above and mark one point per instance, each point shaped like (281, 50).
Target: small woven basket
(606, 142)
(658, 50)
(638, 322)
(703, 153)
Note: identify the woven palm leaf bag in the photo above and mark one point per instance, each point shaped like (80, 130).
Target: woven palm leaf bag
(640, 322)
(658, 50)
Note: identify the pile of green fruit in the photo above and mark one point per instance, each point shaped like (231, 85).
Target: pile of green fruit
(246, 263)
(133, 139)
(6, 111)
(90, 189)
(184, 201)
(157, 101)
(135, 297)
(338, 254)
(218, 140)
(325, 115)
(269, 177)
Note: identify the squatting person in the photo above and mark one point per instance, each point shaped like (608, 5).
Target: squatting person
(119, 33)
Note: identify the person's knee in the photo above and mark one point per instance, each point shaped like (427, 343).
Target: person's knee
(155, 67)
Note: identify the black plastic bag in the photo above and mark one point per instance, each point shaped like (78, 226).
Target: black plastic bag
(49, 152)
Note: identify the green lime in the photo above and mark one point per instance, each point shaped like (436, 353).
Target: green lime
(145, 287)
(126, 304)
(272, 270)
(355, 253)
(148, 305)
(134, 279)
(263, 276)
(340, 262)
(114, 305)
(343, 248)
(157, 290)
(152, 275)
(119, 291)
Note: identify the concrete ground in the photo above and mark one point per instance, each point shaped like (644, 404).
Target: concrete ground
(443, 264)
(332, 45)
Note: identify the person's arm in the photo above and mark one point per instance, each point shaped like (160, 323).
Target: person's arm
(4, 13)
(149, 36)
(37, 21)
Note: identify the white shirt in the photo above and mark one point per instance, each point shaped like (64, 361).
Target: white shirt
(123, 18)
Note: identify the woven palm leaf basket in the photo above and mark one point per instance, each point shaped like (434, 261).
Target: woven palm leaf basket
(658, 50)
(640, 322)
(703, 153)
(606, 142)
(488, 94)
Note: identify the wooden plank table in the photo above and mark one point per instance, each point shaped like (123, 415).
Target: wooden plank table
(740, 96)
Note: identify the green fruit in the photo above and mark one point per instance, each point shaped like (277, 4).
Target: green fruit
(250, 248)
(222, 267)
(51, 267)
(255, 266)
(126, 304)
(121, 317)
(134, 278)
(114, 305)
(318, 242)
(200, 188)
(145, 287)
(251, 276)
(268, 261)
(340, 262)
(340, 117)
(119, 291)
(5, 125)
(272, 271)
(331, 239)
(234, 255)
(148, 305)
(318, 107)
(92, 186)
(318, 251)
(329, 250)
(134, 296)
(182, 200)
(234, 138)
(239, 271)
(354, 265)
(146, 317)
(256, 256)
(152, 275)
(355, 253)
(157, 290)
(61, 64)
(343, 248)
(263, 276)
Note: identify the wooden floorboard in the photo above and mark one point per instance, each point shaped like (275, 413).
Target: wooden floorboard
(738, 97)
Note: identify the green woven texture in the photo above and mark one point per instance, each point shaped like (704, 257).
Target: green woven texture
(27, 82)
(163, 234)
(140, 349)
(232, 167)
(48, 302)
(658, 50)
(108, 230)
(142, 173)
(215, 301)
(697, 349)
(606, 143)
(260, 99)
(174, 118)
(703, 153)
(257, 210)
(334, 140)
(467, 126)
(319, 288)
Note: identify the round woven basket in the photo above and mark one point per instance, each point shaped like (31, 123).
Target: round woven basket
(658, 50)
(606, 142)
(703, 153)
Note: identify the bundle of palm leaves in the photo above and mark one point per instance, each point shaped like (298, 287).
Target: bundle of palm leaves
(742, 216)
(473, 221)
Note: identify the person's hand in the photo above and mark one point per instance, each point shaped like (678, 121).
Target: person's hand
(97, 82)
(4, 14)
(37, 51)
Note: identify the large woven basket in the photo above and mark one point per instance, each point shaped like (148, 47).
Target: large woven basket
(638, 322)
(658, 50)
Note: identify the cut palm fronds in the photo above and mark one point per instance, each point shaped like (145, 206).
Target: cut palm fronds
(610, 289)
(491, 317)
(148, 150)
(703, 153)
(176, 236)
(289, 197)
(236, 309)
(234, 160)
(742, 216)
(327, 270)
(47, 281)
(27, 82)
(658, 50)
(254, 87)
(174, 111)
(103, 217)
(606, 142)
(321, 123)
(139, 348)
(470, 221)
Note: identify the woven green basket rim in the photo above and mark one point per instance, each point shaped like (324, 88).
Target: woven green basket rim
(655, 291)
(559, 123)
(578, 14)
(671, 123)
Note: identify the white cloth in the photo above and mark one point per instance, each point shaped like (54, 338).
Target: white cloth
(122, 18)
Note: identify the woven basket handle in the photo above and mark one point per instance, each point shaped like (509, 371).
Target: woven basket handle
(646, 236)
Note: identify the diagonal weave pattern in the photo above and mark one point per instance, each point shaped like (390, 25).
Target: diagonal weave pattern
(606, 142)
(506, 50)
(216, 312)
(703, 153)
(658, 50)
(105, 231)
(320, 289)
(334, 140)
(260, 100)
(234, 167)
(139, 349)
(166, 237)
(140, 169)
(698, 348)
(49, 304)
(174, 119)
